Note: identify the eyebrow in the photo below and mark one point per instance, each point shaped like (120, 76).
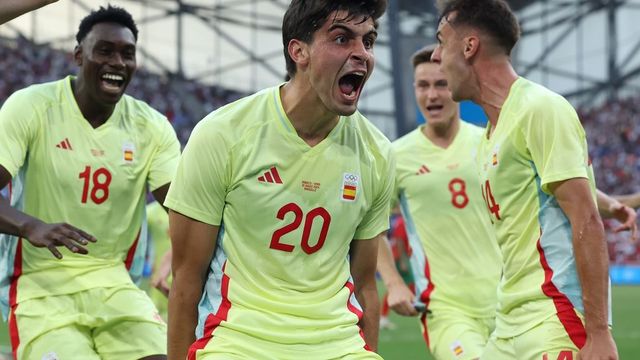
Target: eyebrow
(348, 29)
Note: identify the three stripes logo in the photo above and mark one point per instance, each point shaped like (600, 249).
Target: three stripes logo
(423, 170)
(64, 144)
(271, 176)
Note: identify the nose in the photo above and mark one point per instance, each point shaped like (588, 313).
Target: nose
(435, 56)
(360, 52)
(116, 60)
(432, 94)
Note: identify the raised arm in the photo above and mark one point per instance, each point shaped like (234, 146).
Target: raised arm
(10, 9)
(193, 243)
(37, 232)
(574, 197)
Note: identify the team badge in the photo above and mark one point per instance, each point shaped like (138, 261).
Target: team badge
(494, 156)
(349, 187)
(128, 151)
(456, 348)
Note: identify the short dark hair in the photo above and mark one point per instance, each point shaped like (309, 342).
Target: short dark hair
(110, 14)
(304, 17)
(493, 17)
(422, 56)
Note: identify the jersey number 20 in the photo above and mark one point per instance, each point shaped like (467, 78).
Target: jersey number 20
(298, 214)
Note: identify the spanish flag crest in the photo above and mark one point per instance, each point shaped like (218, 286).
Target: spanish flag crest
(350, 187)
(128, 150)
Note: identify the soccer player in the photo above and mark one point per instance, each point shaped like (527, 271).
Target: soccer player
(81, 153)
(279, 202)
(538, 186)
(10, 9)
(455, 258)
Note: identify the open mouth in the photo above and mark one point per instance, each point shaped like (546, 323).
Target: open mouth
(112, 82)
(434, 108)
(351, 84)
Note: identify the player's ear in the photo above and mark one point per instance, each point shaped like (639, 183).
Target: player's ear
(471, 45)
(77, 55)
(299, 52)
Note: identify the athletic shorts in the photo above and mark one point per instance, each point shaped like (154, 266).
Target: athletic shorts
(451, 335)
(101, 323)
(549, 340)
(226, 344)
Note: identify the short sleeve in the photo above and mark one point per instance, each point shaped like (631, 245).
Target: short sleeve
(377, 218)
(556, 142)
(202, 179)
(166, 157)
(18, 127)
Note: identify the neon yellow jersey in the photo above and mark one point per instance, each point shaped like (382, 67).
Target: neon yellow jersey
(64, 170)
(287, 214)
(538, 140)
(455, 258)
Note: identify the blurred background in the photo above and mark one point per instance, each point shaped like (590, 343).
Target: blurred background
(197, 55)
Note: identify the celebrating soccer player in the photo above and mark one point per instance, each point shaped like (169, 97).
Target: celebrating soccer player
(81, 155)
(537, 183)
(279, 202)
(455, 258)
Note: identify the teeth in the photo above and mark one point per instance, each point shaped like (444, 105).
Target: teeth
(113, 77)
(359, 73)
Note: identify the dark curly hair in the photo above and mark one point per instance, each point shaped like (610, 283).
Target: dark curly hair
(112, 14)
(493, 17)
(304, 17)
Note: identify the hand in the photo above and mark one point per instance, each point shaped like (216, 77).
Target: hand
(41, 234)
(599, 347)
(627, 218)
(400, 299)
(160, 279)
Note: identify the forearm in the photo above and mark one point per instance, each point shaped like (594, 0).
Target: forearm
(183, 314)
(14, 222)
(386, 266)
(592, 264)
(632, 200)
(367, 297)
(14, 8)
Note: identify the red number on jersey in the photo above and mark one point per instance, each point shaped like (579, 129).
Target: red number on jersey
(458, 189)
(493, 207)
(101, 181)
(320, 212)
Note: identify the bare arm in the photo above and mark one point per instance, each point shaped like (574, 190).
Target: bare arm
(37, 232)
(10, 9)
(574, 197)
(631, 200)
(610, 207)
(363, 270)
(400, 297)
(193, 244)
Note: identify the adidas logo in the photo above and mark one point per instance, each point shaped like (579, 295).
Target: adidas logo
(423, 170)
(64, 144)
(271, 176)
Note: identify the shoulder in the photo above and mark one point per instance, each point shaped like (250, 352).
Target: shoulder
(406, 142)
(39, 96)
(536, 98)
(369, 134)
(236, 121)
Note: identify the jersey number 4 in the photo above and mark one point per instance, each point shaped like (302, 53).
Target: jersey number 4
(493, 207)
(99, 183)
(321, 213)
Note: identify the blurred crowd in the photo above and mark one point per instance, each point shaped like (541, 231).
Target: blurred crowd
(183, 102)
(613, 129)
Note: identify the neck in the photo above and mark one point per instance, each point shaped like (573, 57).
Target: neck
(495, 78)
(95, 113)
(443, 135)
(308, 115)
